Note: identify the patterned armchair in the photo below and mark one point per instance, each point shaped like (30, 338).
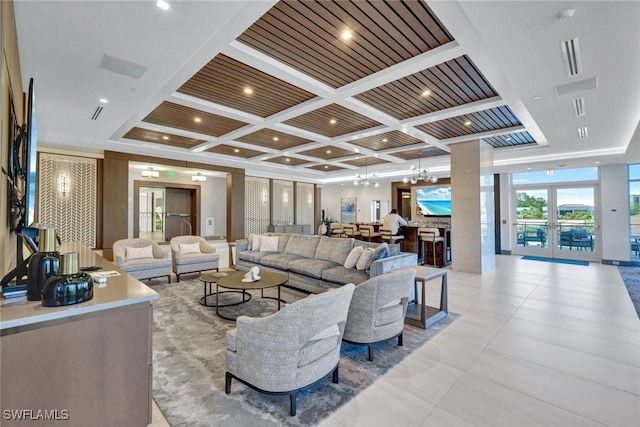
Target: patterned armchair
(142, 258)
(290, 349)
(191, 254)
(378, 308)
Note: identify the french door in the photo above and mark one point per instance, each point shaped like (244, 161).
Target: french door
(558, 221)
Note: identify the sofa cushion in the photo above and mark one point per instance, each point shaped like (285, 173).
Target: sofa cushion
(366, 259)
(279, 261)
(353, 257)
(310, 267)
(332, 249)
(138, 253)
(251, 256)
(302, 245)
(145, 264)
(196, 258)
(344, 275)
(283, 239)
(268, 244)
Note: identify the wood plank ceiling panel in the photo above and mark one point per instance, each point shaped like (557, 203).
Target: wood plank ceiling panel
(163, 138)
(510, 140)
(450, 84)
(230, 150)
(274, 139)
(224, 80)
(320, 121)
(420, 153)
(178, 116)
(328, 152)
(286, 160)
(469, 124)
(306, 35)
(325, 168)
(366, 161)
(384, 141)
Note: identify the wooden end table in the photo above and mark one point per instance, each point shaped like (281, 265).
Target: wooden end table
(420, 314)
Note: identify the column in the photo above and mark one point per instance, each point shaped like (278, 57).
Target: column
(473, 212)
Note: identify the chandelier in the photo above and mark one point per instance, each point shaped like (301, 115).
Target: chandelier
(366, 180)
(419, 174)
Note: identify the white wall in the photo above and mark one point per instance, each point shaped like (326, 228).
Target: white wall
(614, 199)
(331, 194)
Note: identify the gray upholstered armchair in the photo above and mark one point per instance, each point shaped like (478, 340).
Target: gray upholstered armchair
(290, 349)
(190, 254)
(378, 308)
(142, 258)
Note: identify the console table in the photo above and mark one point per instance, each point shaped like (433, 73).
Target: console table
(92, 360)
(419, 313)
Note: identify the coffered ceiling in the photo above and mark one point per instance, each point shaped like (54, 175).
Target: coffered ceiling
(317, 90)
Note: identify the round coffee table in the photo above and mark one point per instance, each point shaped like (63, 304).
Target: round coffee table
(211, 278)
(234, 281)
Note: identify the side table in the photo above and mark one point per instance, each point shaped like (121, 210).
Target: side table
(211, 278)
(420, 314)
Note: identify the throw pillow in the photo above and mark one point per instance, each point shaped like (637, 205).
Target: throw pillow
(353, 257)
(255, 242)
(249, 240)
(189, 248)
(382, 251)
(365, 259)
(268, 244)
(138, 253)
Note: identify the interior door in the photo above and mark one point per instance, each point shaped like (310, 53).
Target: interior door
(180, 208)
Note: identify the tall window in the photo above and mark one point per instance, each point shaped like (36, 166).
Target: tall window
(634, 210)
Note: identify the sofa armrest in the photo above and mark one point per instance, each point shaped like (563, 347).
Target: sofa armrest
(396, 262)
(242, 245)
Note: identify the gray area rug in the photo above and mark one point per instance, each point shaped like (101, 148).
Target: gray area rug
(189, 358)
(631, 278)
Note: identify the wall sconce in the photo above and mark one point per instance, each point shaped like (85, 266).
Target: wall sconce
(264, 196)
(285, 198)
(310, 199)
(198, 177)
(150, 173)
(64, 183)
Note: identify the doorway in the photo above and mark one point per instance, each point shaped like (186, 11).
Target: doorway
(557, 222)
(162, 211)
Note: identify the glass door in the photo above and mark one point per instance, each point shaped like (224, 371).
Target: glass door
(557, 222)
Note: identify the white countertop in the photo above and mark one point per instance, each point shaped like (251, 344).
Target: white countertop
(118, 291)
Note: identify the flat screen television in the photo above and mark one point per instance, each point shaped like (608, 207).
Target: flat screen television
(434, 200)
(32, 157)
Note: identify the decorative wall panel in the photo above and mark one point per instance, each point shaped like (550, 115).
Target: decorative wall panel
(256, 205)
(304, 203)
(282, 202)
(67, 196)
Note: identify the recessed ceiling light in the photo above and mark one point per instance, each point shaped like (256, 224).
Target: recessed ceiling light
(165, 137)
(346, 35)
(528, 169)
(248, 90)
(384, 139)
(328, 151)
(536, 97)
(467, 123)
(197, 119)
(275, 138)
(327, 167)
(426, 93)
(508, 138)
(287, 160)
(162, 5)
(333, 121)
(236, 150)
(597, 162)
(565, 14)
(104, 100)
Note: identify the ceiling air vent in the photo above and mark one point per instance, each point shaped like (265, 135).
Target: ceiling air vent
(122, 66)
(582, 132)
(97, 113)
(578, 106)
(571, 57)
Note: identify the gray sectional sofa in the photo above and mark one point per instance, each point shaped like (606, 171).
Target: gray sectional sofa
(316, 263)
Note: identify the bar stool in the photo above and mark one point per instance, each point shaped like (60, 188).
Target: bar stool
(386, 233)
(430, 235)
(351, 230)
(368, 232)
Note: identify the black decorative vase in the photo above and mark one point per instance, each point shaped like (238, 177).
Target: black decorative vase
(71, 286)
(43, 264)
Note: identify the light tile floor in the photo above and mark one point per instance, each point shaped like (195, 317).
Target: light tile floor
(538, 344)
